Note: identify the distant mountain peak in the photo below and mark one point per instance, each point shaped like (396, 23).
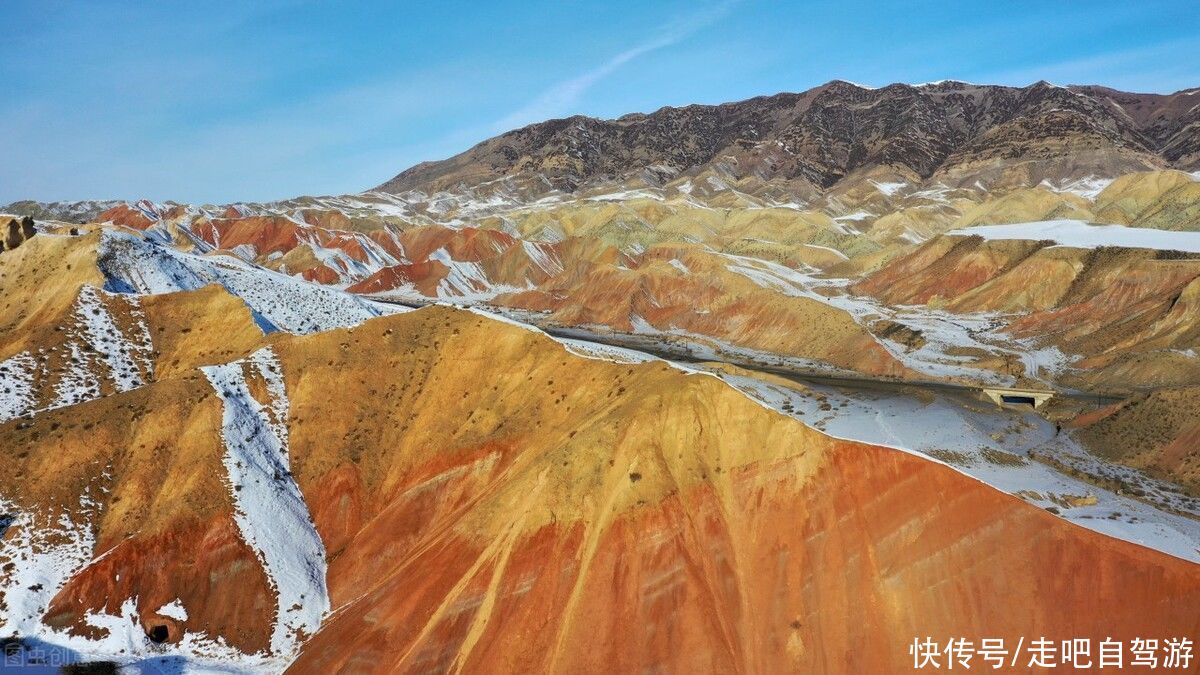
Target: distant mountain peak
(955, 130)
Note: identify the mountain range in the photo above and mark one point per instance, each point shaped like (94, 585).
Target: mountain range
(954, 131)
(736, 388)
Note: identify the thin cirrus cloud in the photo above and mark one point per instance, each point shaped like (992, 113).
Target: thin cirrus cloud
(564, 96)
(283, 97)
(1155, 67)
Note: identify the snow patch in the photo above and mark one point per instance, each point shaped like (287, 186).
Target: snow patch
(641, 326)
(127, 357)
(1088, 187)
(1080, 234)
(77, 382)
(889, 189)
(834, 251)
(132, 264)
(602, 352)
(269, 508)
(16, 386)
(174, 610)
(543, 256)
(678, 264)
(43, 558)
(464, 279)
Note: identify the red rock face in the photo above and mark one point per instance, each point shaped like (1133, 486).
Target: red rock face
(468, 244)
(327, 219)
(946, 267)
(267, 234)
(320, 274)
(424, 276)
(196, 563)
(126, 215)
(836, 574)
(387, 241)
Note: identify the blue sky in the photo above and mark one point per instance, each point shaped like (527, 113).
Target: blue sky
(266, 99)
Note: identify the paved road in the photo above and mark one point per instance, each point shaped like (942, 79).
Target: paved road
(680, 352)
(684, 352)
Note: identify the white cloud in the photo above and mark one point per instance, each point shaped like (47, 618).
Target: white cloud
(564, 96)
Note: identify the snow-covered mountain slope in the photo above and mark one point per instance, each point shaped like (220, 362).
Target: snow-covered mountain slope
(139, 264)
(268, 507)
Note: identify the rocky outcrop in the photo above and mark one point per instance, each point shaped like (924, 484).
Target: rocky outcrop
(14, 230)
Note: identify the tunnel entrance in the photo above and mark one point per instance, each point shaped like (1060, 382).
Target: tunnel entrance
(1022, 397)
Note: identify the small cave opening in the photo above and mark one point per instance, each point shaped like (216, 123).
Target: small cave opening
(158, 634)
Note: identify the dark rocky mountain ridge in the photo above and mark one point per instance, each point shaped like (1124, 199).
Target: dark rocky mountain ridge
(953, 130)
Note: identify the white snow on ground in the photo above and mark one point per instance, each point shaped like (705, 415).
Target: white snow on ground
(246, 252)
(16, 385)
(1088, 187)
(44, 556)
(634, 249)
(936, 193)
(845, 224)
(889, 189)
(127, 356)
(543, 256)
(174, 610)
(834, 251)
(641, 326)
(678, 264)
(1079, 234)
(466, 280)
(944, 332)
(940, 82)
(595, 350)
(269, 509)
(348, 268)
(77, 383)
(989, 444)
(133, 264)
